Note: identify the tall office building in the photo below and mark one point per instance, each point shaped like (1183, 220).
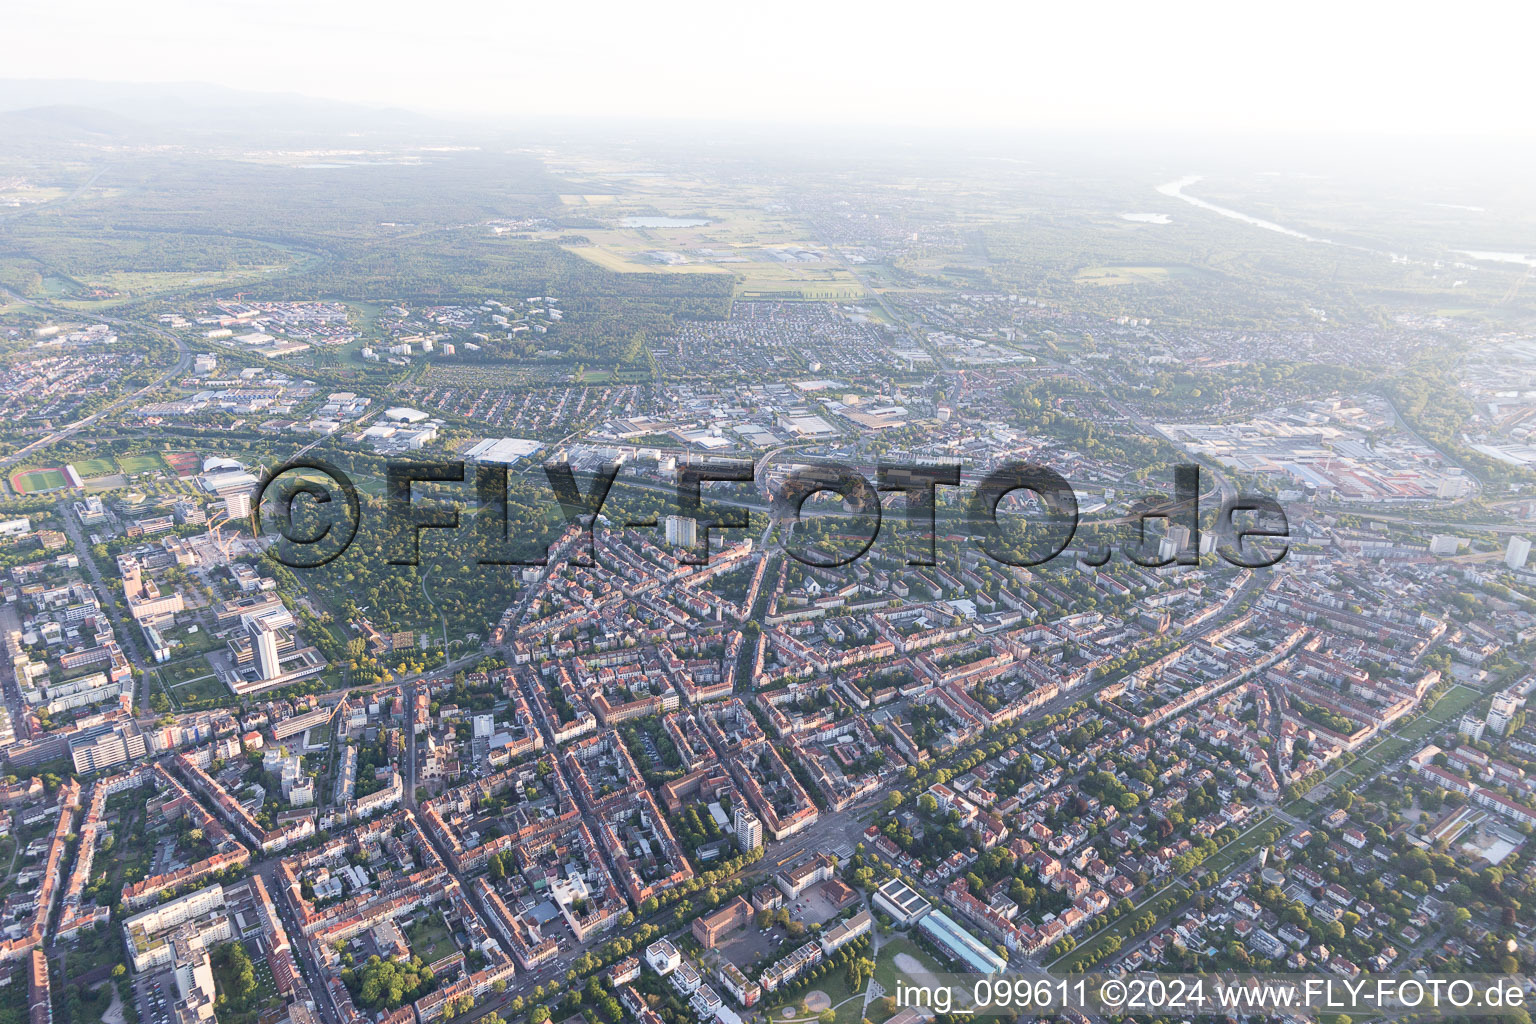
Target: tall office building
(1518, 551)
(1445, 544)
(682, 532)
(264, 647)
(237, 505)
(749, 831)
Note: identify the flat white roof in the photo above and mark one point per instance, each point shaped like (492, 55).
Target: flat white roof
(405, 413)
(502, 449)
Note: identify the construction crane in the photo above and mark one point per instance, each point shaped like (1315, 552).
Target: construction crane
(216, 534)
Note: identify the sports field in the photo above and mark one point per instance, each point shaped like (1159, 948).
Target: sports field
(90, 469)
(30, 481)
(136, 464)
(183, 463)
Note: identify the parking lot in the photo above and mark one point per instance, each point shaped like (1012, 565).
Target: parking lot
(816, 905)
(154, 992)
(751, 944)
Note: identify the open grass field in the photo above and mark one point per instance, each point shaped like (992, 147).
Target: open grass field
(30, 481)
(768, 281)
(137, 284)
(90, 469)
(430, 939)
(200, 642)
(744, 232)
(635, 263)
(1451, 706)
(57, 287)
(188, 691)
(183, 670)
(892, 947)
(30, 195)
(1258, 835)
(1121, 275)
(136, 464)
(158, 683)
(203, 689)
(757, 274)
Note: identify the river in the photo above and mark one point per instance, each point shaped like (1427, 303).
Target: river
(1175, 190)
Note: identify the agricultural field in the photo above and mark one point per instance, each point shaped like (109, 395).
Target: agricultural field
(679, 225)
(621, 262)
(776, 272)
(823, 282)
(21, 195)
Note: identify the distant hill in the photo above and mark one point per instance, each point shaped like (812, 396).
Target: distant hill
(64, 120)
(135, 109)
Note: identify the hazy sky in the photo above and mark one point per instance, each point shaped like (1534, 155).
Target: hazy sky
(1334, 66)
